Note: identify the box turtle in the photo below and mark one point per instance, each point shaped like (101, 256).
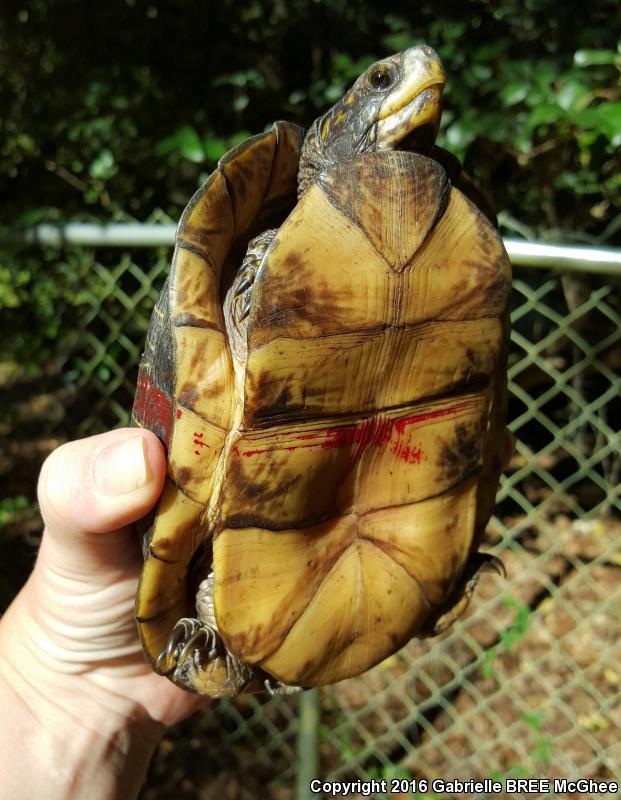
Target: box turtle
(326, 367)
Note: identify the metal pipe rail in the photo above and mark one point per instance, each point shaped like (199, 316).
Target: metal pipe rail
(598, 260)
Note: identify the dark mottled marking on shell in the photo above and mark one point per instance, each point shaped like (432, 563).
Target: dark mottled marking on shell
(158, 615)
(460, 457)
(196, 250)
(198, 357)
(163, 543)
(240, 521)
(358, 189)
(188, 395)
(497, 290)
(475, 372)
(489, 289)
(263, 492)
(303, 296)
(474, 360)
(192, 321)
(247, 174)
(158, 557)
(183, 475)
(278, 407)
(263, 388)
(258, 487)
(212, 390)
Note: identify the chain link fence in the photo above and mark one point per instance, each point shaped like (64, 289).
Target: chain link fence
(528, 683)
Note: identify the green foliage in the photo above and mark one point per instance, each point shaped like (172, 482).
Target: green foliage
(11, 508)
(542, 748)
(126, 106)
(38, 294)
(508, 638)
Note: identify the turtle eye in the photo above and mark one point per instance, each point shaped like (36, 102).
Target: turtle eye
(380, 78)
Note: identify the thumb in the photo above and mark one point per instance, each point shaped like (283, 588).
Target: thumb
(90, 491)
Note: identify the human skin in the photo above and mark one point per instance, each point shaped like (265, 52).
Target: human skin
(81, 711)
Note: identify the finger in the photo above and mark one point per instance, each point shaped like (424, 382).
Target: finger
(90, 490)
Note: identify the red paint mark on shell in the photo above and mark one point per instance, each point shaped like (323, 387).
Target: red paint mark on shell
(197, 441)
(152, 407)
(374, 431)
(248, 453)
(179, 413)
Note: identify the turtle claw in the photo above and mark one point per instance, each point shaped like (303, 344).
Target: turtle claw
(278, 688)
(182, 630)
(183, 640)
(242, 290)
(493, 564)
(193, 643)
(480, 563)
(238, 673)
(245, 311)
(246, 282)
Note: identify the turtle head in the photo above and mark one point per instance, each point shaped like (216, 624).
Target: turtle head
(394, 105)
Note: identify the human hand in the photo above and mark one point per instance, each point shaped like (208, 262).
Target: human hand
(70, 657)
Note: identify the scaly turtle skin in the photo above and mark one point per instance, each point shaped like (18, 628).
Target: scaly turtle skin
(328, 374)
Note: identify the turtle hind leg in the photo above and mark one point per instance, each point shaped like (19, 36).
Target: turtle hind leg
(244, 281)
(195, 656)
(275, 687)
(477, 564)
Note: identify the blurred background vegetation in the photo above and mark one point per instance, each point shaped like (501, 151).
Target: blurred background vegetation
(126, 105)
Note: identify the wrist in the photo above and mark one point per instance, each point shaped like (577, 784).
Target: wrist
(67, 737)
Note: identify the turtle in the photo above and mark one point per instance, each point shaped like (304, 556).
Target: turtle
(326, 366)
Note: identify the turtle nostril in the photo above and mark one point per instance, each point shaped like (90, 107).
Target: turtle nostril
(427, 51)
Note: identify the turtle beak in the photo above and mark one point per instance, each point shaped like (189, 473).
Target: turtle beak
(415, 101)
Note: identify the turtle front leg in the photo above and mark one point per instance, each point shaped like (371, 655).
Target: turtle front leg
(244, 281)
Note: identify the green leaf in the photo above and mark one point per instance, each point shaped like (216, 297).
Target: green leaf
(544, 114)
(513, 93)
(591, 58)
(185, 142)
(572, 94)
(460, 136)
(604, 119)
(238, 137)
(535, 719)
(33, 216)
(297, 96)
(397, 41)
(610, 115)
(482, 72)
(240, 102)
(25, 142)
(103, 166)
(543, 749)
(214, 148)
